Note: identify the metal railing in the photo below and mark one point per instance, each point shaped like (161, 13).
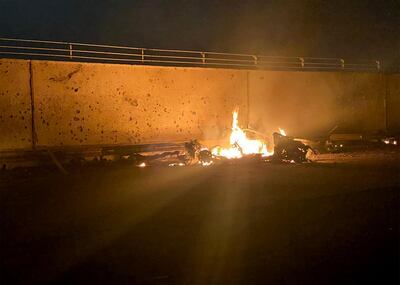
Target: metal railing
(53, 50)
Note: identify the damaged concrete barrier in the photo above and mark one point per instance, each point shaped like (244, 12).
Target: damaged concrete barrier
(92, 104)
(15, 105)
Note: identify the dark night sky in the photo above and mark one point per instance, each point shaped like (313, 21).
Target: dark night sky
(349, 29)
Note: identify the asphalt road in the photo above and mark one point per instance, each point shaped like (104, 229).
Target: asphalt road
(321, 223)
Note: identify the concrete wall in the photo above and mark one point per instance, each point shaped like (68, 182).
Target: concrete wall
(15, 105)
(81, 103)
(393, 102)
(308, 103)
(89, 104)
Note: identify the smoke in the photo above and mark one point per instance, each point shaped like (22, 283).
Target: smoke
(312, 103)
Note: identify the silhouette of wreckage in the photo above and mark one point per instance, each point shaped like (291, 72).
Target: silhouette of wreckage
(286, 150)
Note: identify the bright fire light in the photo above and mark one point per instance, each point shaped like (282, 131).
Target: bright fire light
(282, 132)
(142, 164)
(240, 144)
(205, 163)
(177, 164)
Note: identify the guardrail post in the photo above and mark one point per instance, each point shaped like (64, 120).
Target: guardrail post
(203, 57)
(70, 51)
(378, 64)
(342, 62)
(301, 62)
(255, 59)
(142, 55)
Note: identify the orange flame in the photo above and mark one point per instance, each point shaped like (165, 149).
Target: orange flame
(282, 132)
(240, 144)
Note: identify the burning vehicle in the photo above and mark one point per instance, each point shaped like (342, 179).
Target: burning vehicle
(241, 148)
(290, 150)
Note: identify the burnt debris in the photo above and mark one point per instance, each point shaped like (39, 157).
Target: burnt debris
(287, 149)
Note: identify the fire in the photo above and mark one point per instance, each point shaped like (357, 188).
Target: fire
(282, 132)
(240, 144)
(177, 164)
(205, 163)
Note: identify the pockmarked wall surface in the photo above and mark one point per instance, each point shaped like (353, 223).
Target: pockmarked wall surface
(77, 104)
(309, 103)
(86, 104)
(15, 105)
(393, 102)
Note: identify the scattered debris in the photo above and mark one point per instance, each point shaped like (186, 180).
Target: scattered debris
(143, 164)
(57, 163)
(390, 141)
(352, 142)
(287, 149)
